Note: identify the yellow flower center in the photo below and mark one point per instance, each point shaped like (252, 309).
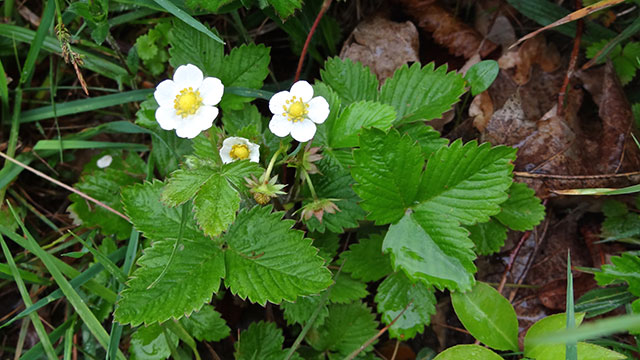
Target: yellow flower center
(187, 102)
(239, 152)
(295, 110)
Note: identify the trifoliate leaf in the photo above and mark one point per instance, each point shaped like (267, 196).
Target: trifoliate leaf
(522, 210)
(268, 261)
(216, 205)
(619, 222)
(347, 289)
(365, 260)
(388, 171)
(467, 182)
(262, 340)
(481, 75)
(157, 290)
(428, 138)
(351, 81)
(184, 40)
(395, 294)
(105, 185)
(422, 93)
(345, 330)
(624, 268)
(344, 131)
(206, 325)
(441, 256)
(475, 352)
(300, 311)
(489, 236)
(245, 66)
(150, 343)
(488, 316)
(335, 182)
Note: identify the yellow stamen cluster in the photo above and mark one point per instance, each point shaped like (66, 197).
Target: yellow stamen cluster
(295, 110)
(239, 151)
(187, 102)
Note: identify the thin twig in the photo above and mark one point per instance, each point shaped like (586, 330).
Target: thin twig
(572, 62)
(524, 174)
(512, 259)
(323, 9)
(65, 186)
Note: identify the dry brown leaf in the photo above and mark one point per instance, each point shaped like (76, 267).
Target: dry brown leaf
(481, 110)
(534, 51)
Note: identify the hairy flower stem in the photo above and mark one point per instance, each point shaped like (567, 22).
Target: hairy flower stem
(311, 188)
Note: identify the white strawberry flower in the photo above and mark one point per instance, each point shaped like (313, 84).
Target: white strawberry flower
(187, 103)
(238, 148)
(297, 112)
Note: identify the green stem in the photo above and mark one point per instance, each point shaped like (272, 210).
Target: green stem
(272, 162)
(311, 188)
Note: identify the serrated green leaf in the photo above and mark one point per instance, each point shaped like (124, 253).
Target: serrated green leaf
(216, 205)
(268, 261)
(197, 258)
(184, 184)
(345, 330)
(522, 210)
(321, 89)
(428, 138)
(619, 222)
(488, 316)
(262, 340)
(327, 244)
(441, 257)
(335, 182)
(285, 7)
(236, 120)
(351, 81)
(475, 352)
(388, 171)
(146, 47)
(300, 311)
(466, 182)
(395, 294)
(184, 41)
(206, 324)
(245, 66)
(365, 260)
(344, 131)
(105, 185)
(150, 343)
(347, 289)
(422, 93)
(488, 237)
(624, 268)
(481, 75)
(236, 172)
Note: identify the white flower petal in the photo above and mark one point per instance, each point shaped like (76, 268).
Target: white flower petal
(254, 152)
(188, 76)
(211, 91)
(225, 155)
(318, 110)
(303, 90)
(104, 161)
(166, 93)
(280, 126)
(234, 140)
(277, 102)
(167, 118)
(303, 131)
(195, 124)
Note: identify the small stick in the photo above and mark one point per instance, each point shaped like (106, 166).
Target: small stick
(572, 62)
(63, 185)
(512, 259)
(323, 9)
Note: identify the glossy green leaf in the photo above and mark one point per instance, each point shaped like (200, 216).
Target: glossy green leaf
(184, 184)
(624, 268)
(463, 352)
(388, 172)
(263, 246)
(428, 138)
(488, 316)
(365, 261)
(346, 289)
(216, 205)
(345, 330)
(481, 75)
(488, 236)
(422, 93)
(262, 340)
(395, 294)
(206, 324)
(197, 258)
(522, 210)
(344, 131)
(150, 343)
(351, 81)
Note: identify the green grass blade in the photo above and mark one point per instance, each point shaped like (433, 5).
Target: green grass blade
(130, 16)
(84, 144)
(84, 105)
(26, 276)
(600, 191)
(37, 351)
(34, 50)
(72, 296)
(4, 95)
(68, 340)
(252, 93)
(572, 346)
(35, 319)
(182, 15)
(591, 330)
(624, 35)
(104, 260)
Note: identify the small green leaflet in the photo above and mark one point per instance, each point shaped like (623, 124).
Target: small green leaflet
(266, 260)
(344, 131)
(488, 316)
(346, 289)
(365, 260)
(301, 310)
(198, 259)
(488, 237)
(351, 81)
(150, 343)
(428, 138)
(262, 340)
(481, 75)
(422, 93)
(619, 223)
(184, 39)
(206, 324)
(475, 352)
(624, 268)
(522, 210)
(216, 205)
(395, 294)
